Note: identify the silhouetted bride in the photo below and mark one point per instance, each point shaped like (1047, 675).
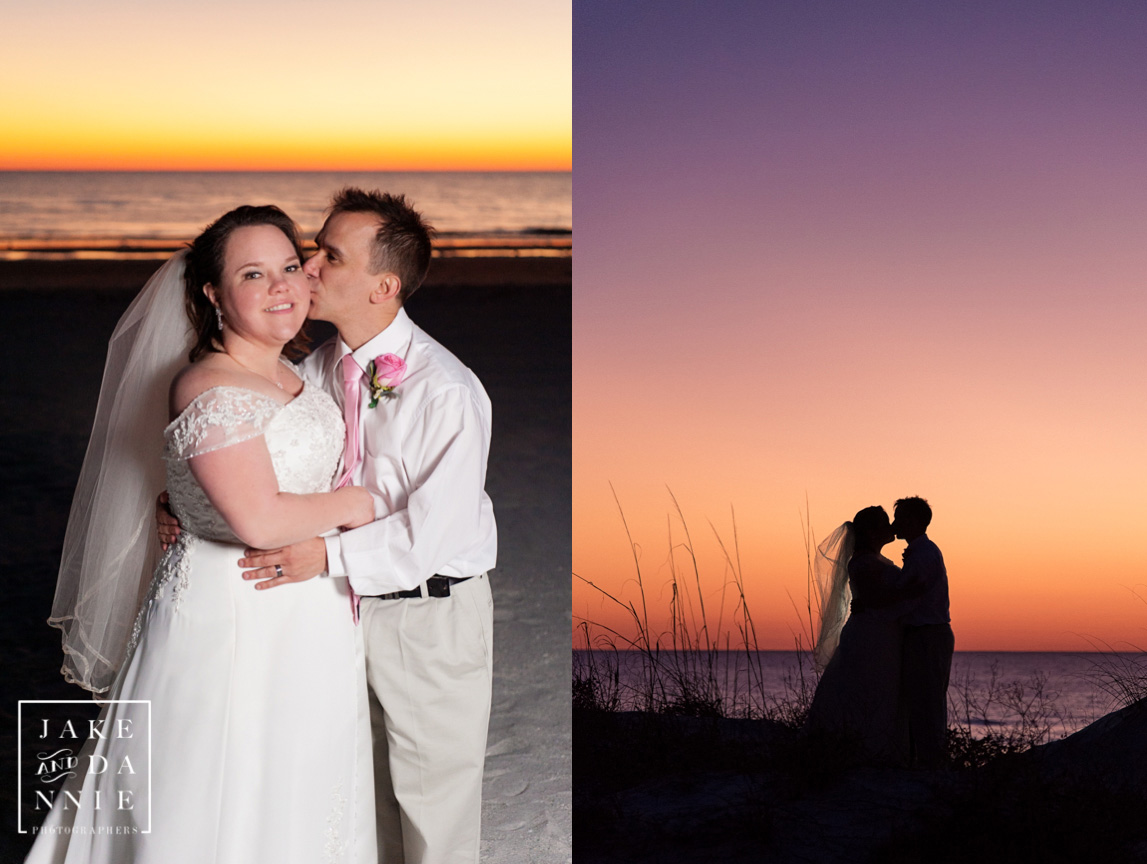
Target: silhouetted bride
(858, 694)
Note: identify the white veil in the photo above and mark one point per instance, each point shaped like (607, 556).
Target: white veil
(110, 547)
(833, 593)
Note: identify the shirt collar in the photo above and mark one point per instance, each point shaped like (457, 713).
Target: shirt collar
(395, 339)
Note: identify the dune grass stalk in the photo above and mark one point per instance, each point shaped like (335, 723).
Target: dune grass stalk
(1121, 672)
(976, 733)
(707, 662)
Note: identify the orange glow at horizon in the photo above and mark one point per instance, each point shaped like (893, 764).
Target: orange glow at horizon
(1005, 597)
(141, 153)
(287, 86)
(1009, 393)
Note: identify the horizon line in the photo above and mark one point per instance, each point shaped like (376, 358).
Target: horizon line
(286, 170)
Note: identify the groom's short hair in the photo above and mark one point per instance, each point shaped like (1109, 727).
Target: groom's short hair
(914, 509)
(403, 241)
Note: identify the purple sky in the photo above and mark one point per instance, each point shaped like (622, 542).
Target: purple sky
(862, 250)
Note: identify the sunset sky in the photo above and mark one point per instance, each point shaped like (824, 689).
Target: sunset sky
(850, 252)
(255, 84)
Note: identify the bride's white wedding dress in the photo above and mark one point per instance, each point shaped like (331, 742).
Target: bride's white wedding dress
(259, 740)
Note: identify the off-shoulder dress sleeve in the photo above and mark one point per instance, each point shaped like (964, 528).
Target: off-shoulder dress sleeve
(217, 418)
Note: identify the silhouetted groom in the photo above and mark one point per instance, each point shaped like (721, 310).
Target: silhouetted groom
(928, 640)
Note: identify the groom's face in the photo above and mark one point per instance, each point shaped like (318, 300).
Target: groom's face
(906, 528)
(339, 271)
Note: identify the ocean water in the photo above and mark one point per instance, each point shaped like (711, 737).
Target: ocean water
(987, 691)
(54, 214)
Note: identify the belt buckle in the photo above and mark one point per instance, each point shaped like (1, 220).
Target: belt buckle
(436, 586)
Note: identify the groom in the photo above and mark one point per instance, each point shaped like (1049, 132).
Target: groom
(419, 430)
(928, 642)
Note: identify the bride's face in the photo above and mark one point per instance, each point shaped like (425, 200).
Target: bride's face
(888, 536)
(264, 294)
(883, 534)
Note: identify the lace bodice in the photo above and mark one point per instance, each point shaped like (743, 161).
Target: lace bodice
(305, 438)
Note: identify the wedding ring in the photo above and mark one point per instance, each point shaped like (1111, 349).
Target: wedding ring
(278, 569)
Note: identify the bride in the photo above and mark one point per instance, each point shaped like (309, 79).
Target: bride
(862, 597)
(257, 744)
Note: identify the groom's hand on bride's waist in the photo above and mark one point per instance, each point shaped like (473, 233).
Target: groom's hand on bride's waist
(276, 567)
(166, 525)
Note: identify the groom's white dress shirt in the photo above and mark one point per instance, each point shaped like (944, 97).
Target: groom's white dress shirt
(924, 564)
(429, 660)
(424, 460)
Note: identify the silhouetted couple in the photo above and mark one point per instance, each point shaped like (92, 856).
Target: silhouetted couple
(885, 642)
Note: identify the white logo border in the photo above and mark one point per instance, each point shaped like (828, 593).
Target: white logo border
(20, 829)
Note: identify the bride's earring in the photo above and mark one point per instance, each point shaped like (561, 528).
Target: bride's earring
(219, 318)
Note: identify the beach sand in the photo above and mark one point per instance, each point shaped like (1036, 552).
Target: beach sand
(506, 318)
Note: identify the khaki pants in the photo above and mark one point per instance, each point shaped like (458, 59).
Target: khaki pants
(429, 665)
(924, 672)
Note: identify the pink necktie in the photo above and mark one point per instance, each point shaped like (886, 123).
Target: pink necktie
(352, 452)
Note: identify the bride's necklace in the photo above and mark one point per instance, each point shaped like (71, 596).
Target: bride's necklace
(260, 374)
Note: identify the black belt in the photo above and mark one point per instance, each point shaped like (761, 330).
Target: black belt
(436, 586)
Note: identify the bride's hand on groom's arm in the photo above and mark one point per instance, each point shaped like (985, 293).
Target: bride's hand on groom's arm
(166, 525)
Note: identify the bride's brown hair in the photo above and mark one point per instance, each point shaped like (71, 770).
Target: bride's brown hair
(204, 266)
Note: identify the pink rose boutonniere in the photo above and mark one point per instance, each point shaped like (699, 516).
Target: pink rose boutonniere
(385, 373)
